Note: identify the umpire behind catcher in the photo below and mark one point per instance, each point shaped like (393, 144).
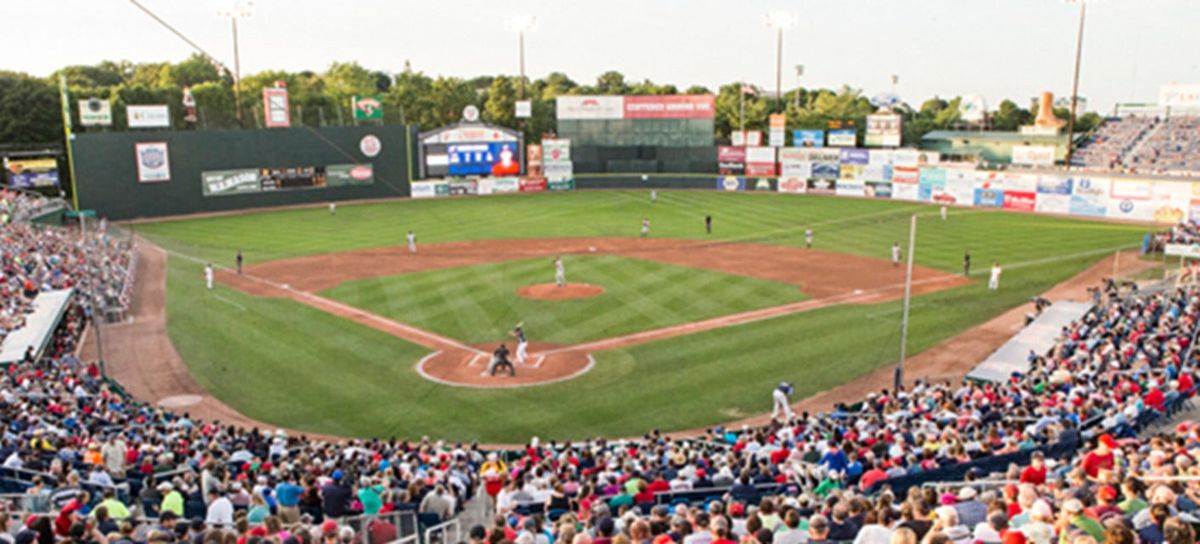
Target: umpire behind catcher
(500, 360)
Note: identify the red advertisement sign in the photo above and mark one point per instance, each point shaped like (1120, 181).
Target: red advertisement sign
(1020, 200)
(533, 185)
(669, 107)
(729, 153)
(760, 169)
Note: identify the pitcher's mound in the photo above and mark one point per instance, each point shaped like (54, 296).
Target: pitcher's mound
(550, 291)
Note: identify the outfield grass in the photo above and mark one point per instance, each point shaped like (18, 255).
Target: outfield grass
(282, 362)
(476, 303)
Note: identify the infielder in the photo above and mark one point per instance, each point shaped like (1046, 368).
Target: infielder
(780, 395)
(208, 275)
(967, 263)
(412, 242)
(943, 213)
(994, 280)
(333, 208)
(522, 344)
(896, 254)
(645, 227)
(808, 238)
(653, 196)
(560, 273)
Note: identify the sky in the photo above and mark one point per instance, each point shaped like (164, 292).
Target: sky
(994, 48)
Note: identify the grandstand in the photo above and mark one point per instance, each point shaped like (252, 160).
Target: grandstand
(1144, 144)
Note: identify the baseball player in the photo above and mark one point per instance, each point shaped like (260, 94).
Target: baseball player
(708, 224)
(994, 280)
(522, 344)
(653, 196)
(645, 227)
(208, 275)
(943, 213)
(967, 263)
(560, 273)
(412, 242)
(896, 254)
(780, 395)
(808, 238)
(239, 262)
(333, 208)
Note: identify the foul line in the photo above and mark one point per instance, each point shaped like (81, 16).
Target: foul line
(229, 302)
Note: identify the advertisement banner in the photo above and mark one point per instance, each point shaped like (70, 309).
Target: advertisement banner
(778, 125)
(762, 184)
(796, 169)
(1024, 201)
(822, 186)
(932, 182)
(731, 159)
(338, 175)
(731, 183)
(429, 189)
(276, 113)
(905, 191)
(494, 159)
(523, 109)
(367, 108)
(483, 186)
(158, 116)
(877, 172)
(589, 107)
(854, 156)
(808, 138)
(95, 112)
(505, 185)
(989, 197)
(559, 170)
(31, 173)
(793, 184)
(230, 182)
(850, 187)
(1033, 155)
(794, 154)
(843, 137)
(1131, 189)
(850, 171)
(561, 185)
(556, 150)
(960, 187)
(1191, 251)
(878, 189)
(906, 174)
(1129, 209)
(1049, 184)
(882, 156)
(1172, 200)
(463, 187)
(153, 161)
(760, 169)
(1089, 196)
(749, 138)
(533, 160)
(1053, 203)
(533, 185)
(826, 170)
(760, 161)
(683, 106)
(1022, 183)
(883, 130)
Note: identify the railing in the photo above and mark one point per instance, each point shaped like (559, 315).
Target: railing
(410, 539)
(443, 530)
(405, 523)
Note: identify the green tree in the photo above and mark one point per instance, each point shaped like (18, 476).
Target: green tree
(728, 108)
(499, 109)
(29, 110)
(193, 71)
(410, 96)
(611, 82)
(1009, 116)
(214, 104)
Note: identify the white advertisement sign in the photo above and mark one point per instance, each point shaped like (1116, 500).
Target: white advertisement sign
(148, 116)
(558, 170)
(556, 150)
(1191, 251)
(590, 107)
(1033, 155)
(95, 112)
(153, 161)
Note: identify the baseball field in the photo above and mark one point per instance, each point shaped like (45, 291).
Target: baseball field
(336, 328)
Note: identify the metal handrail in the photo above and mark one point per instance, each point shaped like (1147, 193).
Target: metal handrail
(444, 529)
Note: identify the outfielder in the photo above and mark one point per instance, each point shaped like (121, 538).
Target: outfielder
(808, 238)
(780, 395)
(208, 275)
(896, 253)
(560, 273)
(412, 242)
(522, 344)
(645, 227)
(653, 196)
(333, 208)
(943, 213)
(994, 280)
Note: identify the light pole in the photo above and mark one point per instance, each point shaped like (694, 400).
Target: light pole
(521, 24)
(780, 21)
(799, 74)
(240, 9)
(1075, 80)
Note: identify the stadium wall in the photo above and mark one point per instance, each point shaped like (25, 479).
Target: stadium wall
(120, 180)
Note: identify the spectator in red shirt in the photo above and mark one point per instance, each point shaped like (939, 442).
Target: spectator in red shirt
(872, 475)
(1100, 458)
(1035, 473)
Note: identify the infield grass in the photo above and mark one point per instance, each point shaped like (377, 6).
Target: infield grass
(282, 362)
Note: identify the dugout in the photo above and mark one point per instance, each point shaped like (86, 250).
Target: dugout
(128, 175)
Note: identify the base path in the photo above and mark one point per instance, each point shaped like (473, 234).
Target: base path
(551, 291)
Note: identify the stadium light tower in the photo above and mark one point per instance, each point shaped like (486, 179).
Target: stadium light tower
(799, 74)
(521, 24)
(1075, 79)
(780, 21)
(239, 9)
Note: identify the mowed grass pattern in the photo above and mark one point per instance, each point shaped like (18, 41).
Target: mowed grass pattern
(478, 303)
(284, 363)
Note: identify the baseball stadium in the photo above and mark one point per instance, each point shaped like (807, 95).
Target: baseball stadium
(414, 306)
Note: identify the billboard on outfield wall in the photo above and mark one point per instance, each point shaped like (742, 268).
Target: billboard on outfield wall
(932, 182)
(561, 185)
(558, 149)
(849, 187)
(822, 186)
(1089, 196)
(1033, 155)
(731, 183)
(341, 175)
(878, 189)
(634, 107)
(463, 187)
(1131, 189)
(1172, 200)
(905, 191)
(429, 189)
(731, 160)
(31, 172)
(960, 187)
(533, 185)
(808, 138)
(792, 184)
(842, 137)
(883, 130)
(760, 161)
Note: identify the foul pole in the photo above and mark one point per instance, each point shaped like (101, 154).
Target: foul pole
(912, 246)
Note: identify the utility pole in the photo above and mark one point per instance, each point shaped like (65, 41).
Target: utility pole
(780, 21)
(1075, 82)
(912, 246)
(239, 10)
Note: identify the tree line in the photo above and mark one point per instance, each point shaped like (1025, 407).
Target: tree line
(30, 111)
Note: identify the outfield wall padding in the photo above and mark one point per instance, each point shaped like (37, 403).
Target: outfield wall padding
(107, 170)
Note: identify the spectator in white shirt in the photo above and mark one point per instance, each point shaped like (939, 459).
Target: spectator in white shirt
(220, 510)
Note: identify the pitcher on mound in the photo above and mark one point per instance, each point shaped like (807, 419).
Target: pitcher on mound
(522, 344)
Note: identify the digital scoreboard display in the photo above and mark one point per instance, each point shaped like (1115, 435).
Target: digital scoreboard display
(484, 159)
